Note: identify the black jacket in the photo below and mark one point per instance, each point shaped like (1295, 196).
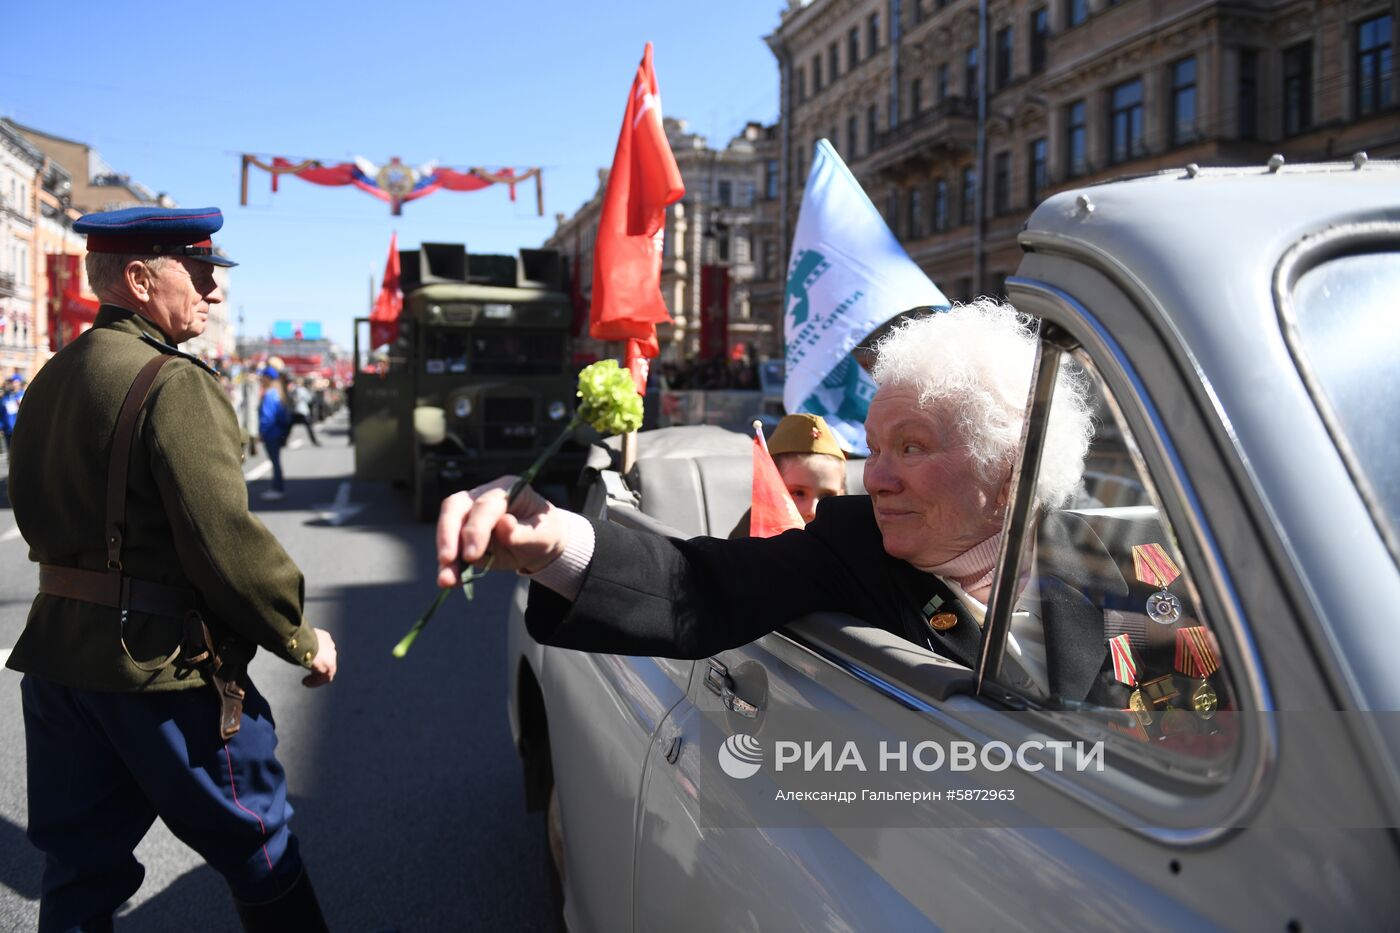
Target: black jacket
(666, 597)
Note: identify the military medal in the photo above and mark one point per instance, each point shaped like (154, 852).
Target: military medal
(1204, 701)
(1196, 657)
(1138, 705)
(1153, 567)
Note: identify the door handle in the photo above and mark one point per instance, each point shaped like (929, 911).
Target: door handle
(718, 681)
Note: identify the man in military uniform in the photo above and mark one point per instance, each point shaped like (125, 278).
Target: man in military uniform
(155, 583)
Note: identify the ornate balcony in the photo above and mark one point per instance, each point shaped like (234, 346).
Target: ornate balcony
(948, 127)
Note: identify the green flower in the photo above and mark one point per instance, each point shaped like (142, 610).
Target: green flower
(610, 400)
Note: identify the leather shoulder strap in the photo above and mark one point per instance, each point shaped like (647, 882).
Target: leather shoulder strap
(121, 456)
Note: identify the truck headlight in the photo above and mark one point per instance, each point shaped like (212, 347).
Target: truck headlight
(462, 408)
(557, 411)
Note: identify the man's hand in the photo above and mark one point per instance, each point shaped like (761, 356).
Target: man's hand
(527, 537)
(323, 665)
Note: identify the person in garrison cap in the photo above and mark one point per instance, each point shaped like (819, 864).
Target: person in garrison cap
(810, 461)
(156, 585)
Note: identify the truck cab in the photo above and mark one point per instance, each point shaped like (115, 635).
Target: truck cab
(479, 379)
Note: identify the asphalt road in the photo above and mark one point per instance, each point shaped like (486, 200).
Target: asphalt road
(406, 787)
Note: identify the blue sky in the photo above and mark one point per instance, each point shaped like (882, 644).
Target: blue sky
(173, 95)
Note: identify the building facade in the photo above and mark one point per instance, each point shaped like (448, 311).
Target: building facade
(83, 182)
(21, 171)
(1076, 91)
(720, 248)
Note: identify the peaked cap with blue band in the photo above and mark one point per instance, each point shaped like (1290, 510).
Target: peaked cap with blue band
(155, 231)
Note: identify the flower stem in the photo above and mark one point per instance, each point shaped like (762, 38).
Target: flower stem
(471, 574)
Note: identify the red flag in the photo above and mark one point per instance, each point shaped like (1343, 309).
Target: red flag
(644, 179)
(384, 319)
(773, 511)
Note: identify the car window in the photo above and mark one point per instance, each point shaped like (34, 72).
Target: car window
(1105, 612)
(1348, 337)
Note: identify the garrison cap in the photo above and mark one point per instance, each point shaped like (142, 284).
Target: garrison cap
(155, 231)
(804, 434)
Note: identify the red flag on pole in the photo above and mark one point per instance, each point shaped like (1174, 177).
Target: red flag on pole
(644, 179)
(384, 319)
(772, 510)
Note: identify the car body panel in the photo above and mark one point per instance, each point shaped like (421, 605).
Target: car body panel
(1178, 316)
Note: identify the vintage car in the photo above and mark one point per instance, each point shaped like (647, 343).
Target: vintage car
(1240, 330)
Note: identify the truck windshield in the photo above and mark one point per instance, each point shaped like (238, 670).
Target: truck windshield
(493, 352)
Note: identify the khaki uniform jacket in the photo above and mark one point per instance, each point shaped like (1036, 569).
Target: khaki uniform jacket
(187, 518)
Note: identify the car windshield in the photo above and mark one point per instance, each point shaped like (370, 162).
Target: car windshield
(1349, 338)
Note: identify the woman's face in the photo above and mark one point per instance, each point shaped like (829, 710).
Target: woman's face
(929, 502)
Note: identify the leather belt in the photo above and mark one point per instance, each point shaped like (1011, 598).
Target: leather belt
(106, 588)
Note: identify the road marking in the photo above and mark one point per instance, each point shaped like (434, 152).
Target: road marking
(10, 535)
(342, 509)
(259, 471)
(4, 656)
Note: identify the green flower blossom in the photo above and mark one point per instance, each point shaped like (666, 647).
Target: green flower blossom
(610, 400)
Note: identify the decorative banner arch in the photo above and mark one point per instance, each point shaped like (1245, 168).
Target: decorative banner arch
(394, 181)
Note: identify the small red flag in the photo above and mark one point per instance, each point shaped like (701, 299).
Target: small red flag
(773, 511)
(384, 319)
(643, 181)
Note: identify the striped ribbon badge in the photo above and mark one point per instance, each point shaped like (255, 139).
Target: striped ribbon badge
(1195, 652)
(1125, 669)
(1153, 567)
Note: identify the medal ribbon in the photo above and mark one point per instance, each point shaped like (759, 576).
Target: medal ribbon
(1125, 669)
(1195, 652)
(1153, 567)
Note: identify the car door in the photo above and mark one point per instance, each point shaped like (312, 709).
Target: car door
(1195, 819)
(615, 706)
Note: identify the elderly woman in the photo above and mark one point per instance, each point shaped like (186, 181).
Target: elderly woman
(914, 556)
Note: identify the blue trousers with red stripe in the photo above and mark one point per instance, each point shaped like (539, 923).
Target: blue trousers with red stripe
(103, 766)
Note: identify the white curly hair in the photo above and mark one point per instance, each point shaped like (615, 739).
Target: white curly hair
(977, 358)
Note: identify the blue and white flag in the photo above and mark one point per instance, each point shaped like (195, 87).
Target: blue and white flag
(847, 276)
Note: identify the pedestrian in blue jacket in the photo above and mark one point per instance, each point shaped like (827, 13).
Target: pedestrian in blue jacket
(274, 424)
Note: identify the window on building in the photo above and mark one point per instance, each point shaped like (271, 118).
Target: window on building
(872, 127)
(1005, 42)
(962, 289)
(853, 135)
(967, 210)
(940, 204)
(1001, 183)
(916, 97)
(970, 72)
(1038, 172)
(1076, 139)
(833, 61)
(1297, 89)
(817, 75)
(1078, 11)
(852, 47)
(941, 83)
(892, 212)
(1373, 65)
(1183, 112)
(1040, 34)
(750, 194)
(799, 80)
(770, 260)
(872, 35)
(724, 192)
(722, 243)
(770, 179)
(916, 214)
(917, 11)
(1249, 94)
(1125, 122)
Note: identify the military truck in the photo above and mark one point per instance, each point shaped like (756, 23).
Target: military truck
(479, 379)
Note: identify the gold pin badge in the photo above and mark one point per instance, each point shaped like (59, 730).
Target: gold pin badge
(1138, 705)
(942, 621)
(1204, 700)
